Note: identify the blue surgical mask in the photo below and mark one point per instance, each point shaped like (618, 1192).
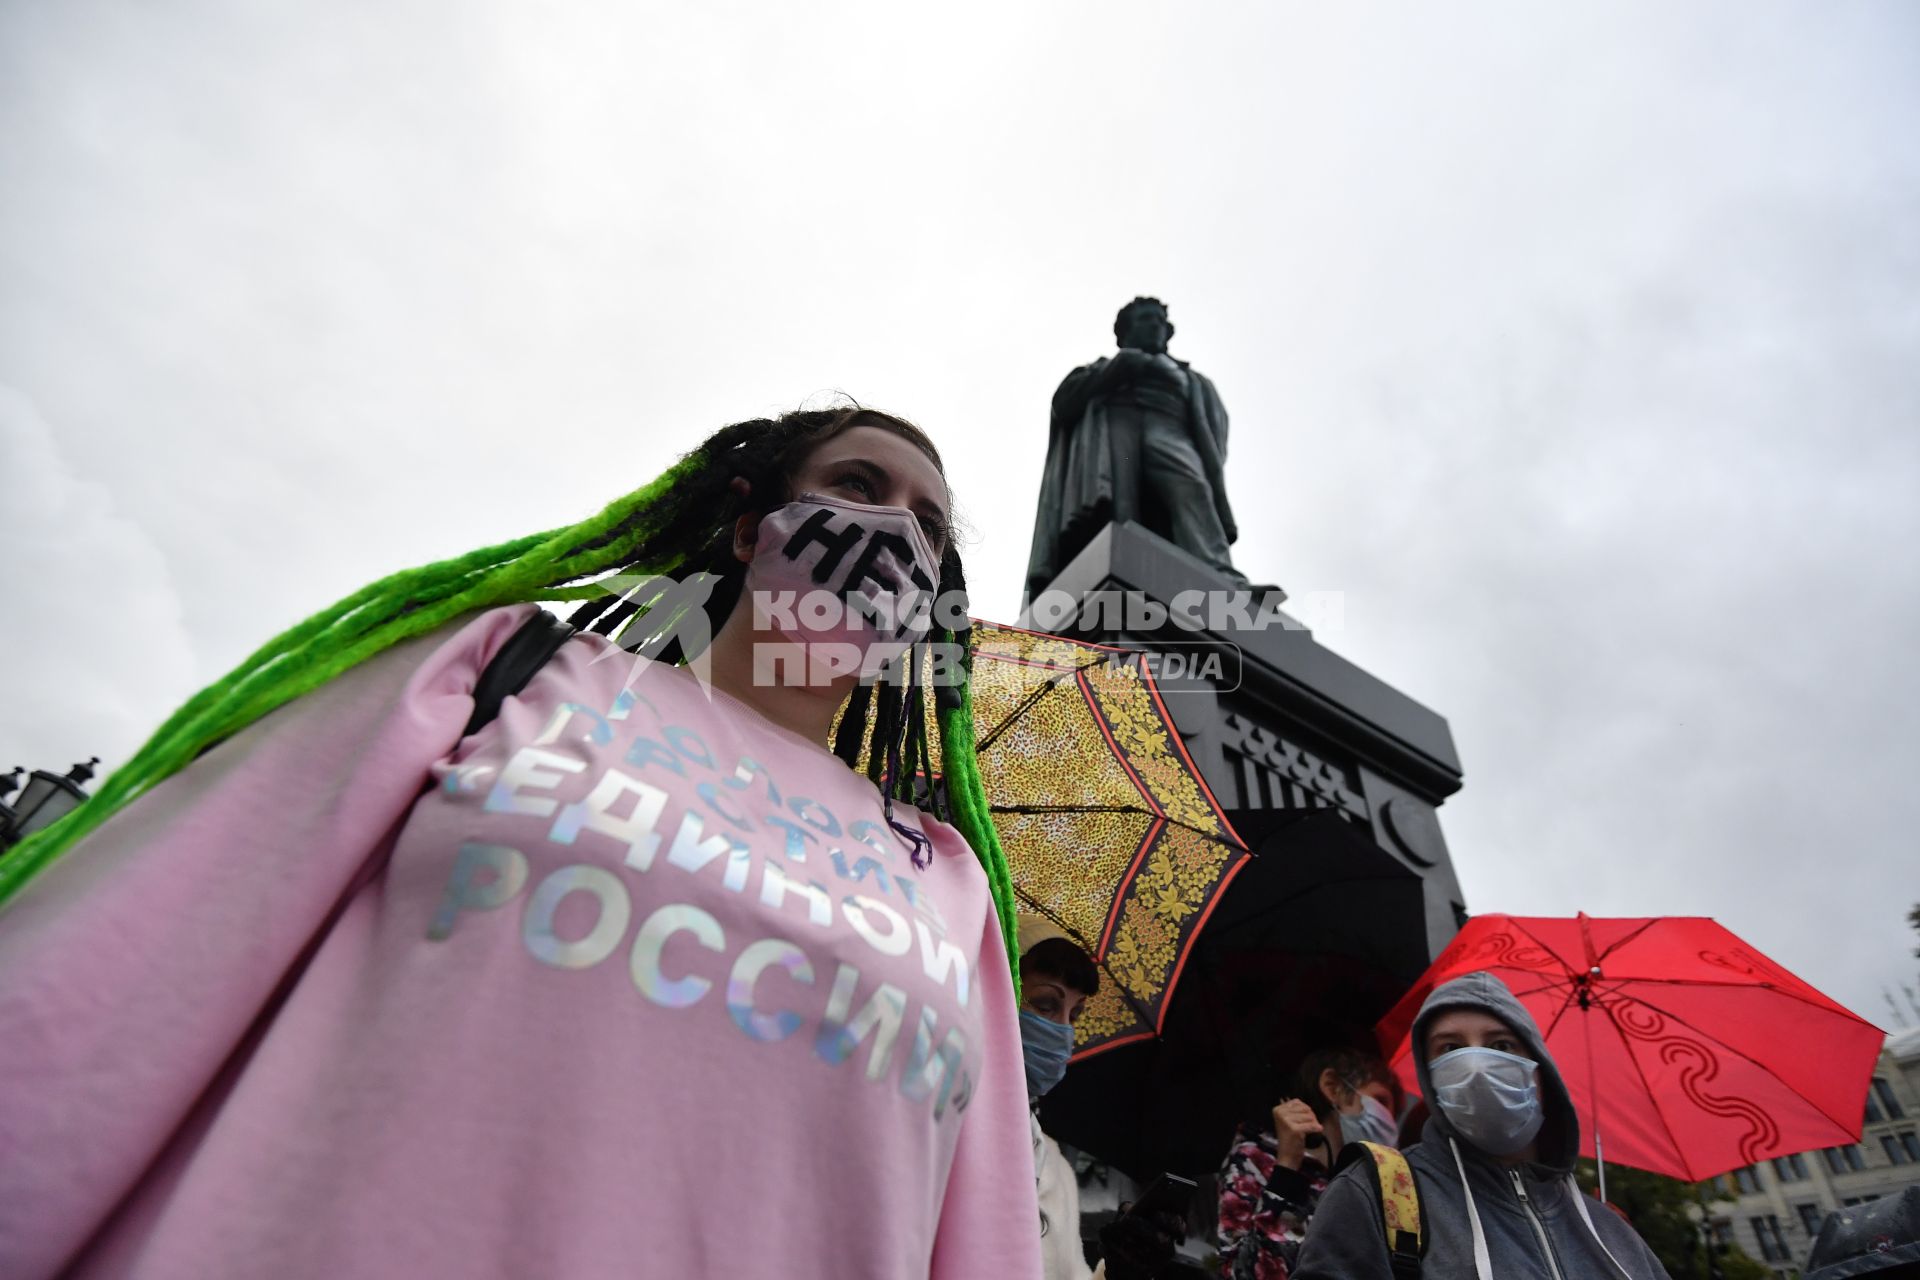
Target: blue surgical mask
(1489, 1097)
(1372, 1123)
(1046, 1045)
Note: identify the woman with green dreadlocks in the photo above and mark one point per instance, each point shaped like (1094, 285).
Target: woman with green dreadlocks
(368, 964)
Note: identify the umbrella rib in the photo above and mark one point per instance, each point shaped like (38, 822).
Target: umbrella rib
(1118, 808)
(1630, 937)
(1072, 808)
(1104, 723)
(1666, 1125)
(1738, 1053)
(1052, 682)
(1133, 1002)
(1549, 984)
(1558, 1014)
(1619, 984)
(1543, 946)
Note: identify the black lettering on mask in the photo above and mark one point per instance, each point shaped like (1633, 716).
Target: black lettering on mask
(834, 544)
(878, 545)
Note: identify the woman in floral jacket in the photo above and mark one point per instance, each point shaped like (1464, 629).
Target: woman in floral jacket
(1269, 1185)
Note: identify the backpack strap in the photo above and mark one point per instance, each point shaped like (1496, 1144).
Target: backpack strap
(524, 653)
(1399, 1204)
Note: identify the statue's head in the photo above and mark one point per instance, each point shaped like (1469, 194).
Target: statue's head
(1143, 325)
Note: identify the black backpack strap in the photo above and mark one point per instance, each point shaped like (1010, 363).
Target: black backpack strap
(524, 653)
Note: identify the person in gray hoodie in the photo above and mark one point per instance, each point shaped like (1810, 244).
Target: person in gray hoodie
(1494, 1166)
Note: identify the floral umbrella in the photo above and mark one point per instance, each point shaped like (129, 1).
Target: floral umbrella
(1108, 827)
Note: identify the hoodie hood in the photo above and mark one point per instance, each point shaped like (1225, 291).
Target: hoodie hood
(1559, 1140)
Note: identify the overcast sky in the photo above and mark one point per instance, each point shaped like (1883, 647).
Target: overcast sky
(1578, 346)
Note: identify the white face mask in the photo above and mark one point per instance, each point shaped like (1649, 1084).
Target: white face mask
(844, 576)
(1489, 1097)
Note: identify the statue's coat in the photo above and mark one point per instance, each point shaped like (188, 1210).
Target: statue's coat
(1076, 489)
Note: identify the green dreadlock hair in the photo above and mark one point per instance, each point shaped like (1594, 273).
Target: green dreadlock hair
(680, 523)
(967, 796)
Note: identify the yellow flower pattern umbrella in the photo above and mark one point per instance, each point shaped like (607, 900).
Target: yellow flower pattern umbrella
(1108, 827)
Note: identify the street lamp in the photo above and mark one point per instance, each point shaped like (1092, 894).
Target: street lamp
(1708, 1239)
(46, 798)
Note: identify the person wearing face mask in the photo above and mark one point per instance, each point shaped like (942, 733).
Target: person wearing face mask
(1493, 1170)
(1273, 1176)
(376, 962)
(1057, 978)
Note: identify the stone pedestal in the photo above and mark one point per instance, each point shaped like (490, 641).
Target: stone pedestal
(1277, 723)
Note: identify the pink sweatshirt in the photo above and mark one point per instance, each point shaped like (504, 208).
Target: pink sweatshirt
(626, 984)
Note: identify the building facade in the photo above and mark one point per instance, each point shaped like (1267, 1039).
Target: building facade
(1773, 1210)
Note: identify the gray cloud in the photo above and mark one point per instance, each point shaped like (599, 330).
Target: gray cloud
(94, 649)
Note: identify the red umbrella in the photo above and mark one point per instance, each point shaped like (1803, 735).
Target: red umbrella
(1688, 1050)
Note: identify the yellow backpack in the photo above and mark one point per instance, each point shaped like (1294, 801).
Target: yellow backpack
(1399, 1205)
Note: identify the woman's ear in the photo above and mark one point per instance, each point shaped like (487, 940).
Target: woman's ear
(746, 533)
(1332, 1087)
(746, 529)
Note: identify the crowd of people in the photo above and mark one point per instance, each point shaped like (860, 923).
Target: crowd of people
(376, 961)
(1484, 1186)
